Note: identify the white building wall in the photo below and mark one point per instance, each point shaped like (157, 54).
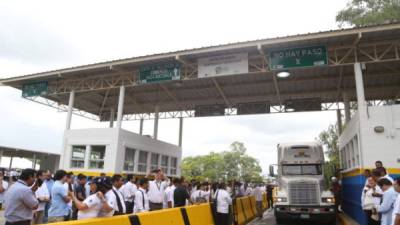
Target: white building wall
(373, 146)
(115, 140)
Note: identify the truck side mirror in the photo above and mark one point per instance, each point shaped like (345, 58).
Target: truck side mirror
(271, 171)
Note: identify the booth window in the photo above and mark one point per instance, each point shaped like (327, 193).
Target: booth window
(97, 154)
(174, 163)
(154, 161)
(129, 163)
(164, 163)
(142, 164)
(78, 156)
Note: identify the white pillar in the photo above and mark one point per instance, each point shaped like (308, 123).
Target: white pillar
(180, 131)
(156, 114)
(70, 108)
(120, 106)
(360, 88)
(346, 103)
(1, 155)
(34, 161)
(11, 161)
(112, 115)
(339, 120)
(141, 126)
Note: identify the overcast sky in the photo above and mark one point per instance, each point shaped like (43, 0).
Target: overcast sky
(36, 36)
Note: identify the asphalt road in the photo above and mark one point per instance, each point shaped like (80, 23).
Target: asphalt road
(269, 219)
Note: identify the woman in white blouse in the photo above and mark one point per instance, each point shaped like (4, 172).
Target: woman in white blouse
(369, 199)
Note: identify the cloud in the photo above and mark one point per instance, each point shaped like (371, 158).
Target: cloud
(37, 36)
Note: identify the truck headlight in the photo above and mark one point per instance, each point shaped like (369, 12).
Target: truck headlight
(328, 200)
(280, 199)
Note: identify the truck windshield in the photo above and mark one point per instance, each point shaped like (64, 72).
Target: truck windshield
(302, 169)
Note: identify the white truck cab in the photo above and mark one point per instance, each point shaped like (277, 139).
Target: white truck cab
(301, 192)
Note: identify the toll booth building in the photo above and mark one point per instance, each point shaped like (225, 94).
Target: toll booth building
(115, 150)
(354, 71)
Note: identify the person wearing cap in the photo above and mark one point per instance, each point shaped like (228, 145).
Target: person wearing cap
(156, 190)
(95, 203)
(20, 200)
(128, 190)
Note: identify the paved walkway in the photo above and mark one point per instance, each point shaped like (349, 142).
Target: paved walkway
(269, 219)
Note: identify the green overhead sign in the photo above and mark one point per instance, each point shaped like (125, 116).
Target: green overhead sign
(35, 89)
(159, 73)
(298, 57)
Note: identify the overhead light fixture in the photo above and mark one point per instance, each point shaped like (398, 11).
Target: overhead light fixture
(283, 74)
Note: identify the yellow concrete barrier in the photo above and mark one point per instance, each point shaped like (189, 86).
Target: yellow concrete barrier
(248, 210)
(199, 214)
(253, 205)
(160, 217)
(115, 220)
(240, 216)
(264, 202)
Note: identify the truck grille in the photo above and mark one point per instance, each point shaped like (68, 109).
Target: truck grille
(303, 193)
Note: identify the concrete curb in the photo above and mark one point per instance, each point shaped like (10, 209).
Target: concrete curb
(346, 220)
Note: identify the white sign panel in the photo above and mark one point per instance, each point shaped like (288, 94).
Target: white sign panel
(223, 65)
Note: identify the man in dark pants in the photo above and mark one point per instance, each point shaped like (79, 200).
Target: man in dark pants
(270, 190)
(20, 200)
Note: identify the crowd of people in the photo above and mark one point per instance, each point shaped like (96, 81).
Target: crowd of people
(380, 197)
(38, 197)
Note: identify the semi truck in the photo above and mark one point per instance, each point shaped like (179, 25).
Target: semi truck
(301, 193)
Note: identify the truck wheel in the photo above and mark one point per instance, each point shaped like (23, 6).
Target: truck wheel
(279, 221)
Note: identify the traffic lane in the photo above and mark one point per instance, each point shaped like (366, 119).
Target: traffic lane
(269, 219)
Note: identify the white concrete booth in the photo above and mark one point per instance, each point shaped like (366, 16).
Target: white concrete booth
(371, 136)
(115, 150)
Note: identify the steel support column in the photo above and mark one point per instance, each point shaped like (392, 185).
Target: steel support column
(34, 161)
(112, 115)
(339, 121)
(141, 126)
(347, 113)
(156, 117)
(11, 161)
(70, 109)
(180, 131)
(361, 103)
(120, 106)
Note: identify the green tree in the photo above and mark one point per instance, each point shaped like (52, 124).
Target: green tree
(367, 12)
(330, 138)
(234, 164)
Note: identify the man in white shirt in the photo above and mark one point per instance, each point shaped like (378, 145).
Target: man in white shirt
(43, 196)
(156, 190)
(3, 188)
(170, 199)
(396, 209)
(258, 196)
(223, 201)
(128, 190)
(119, 204)
(141, 198)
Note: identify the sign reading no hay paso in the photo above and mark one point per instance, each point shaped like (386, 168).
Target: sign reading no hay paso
(298, 57)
